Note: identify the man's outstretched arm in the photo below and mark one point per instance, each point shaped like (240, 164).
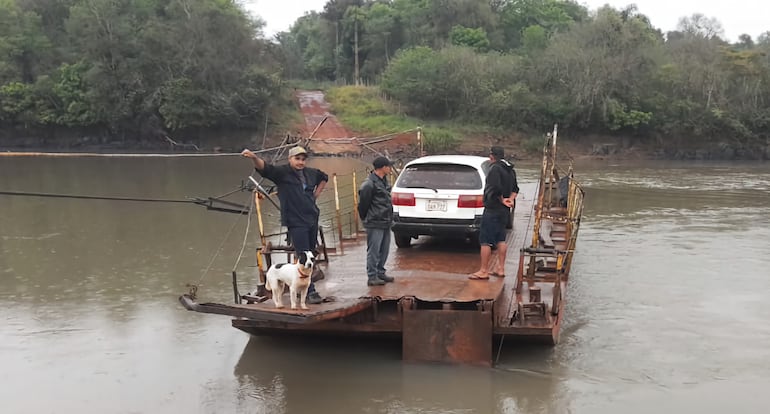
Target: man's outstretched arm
(259, 163)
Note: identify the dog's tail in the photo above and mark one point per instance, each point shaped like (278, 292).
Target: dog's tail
(267, 284)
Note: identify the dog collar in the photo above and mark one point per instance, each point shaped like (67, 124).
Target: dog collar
(302, 275)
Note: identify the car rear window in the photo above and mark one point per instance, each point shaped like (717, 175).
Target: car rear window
(440, 176)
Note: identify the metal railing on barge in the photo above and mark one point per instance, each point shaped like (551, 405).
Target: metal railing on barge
(553, 206)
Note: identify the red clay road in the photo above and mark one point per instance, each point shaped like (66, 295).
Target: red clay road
(314, 108)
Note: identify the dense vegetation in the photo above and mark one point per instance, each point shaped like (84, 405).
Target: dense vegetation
(133, 68)
(515, 65)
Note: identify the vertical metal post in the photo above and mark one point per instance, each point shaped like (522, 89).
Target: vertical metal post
(355, 201)
(419, 141)
(337, 208)
(520, 273)
(553, 144)
(569, 212)
(540, 195)
(323, 243)
(260, 269)
(552, 166)
(260, 266)
(258, 206)
(556, 301)
(236, 295)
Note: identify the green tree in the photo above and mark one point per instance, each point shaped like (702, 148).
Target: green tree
(22, 43)
(447, 14)
(602, 66)
(383, 35)
(68, 101)
(310, 48)
(473, 38)
(534, 39)
(354, 16)
(17, 103)
(414, 77)
(552, 15)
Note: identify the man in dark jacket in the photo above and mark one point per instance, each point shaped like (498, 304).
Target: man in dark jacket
(376, 211)
(500, 191)
(298, 189)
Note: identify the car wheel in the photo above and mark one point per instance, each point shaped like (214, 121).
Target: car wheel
(402, 240)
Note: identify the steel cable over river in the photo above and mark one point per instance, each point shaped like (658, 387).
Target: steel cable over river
(92, 197)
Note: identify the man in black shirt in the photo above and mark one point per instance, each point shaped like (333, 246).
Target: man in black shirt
(500, 191)
(298, 189)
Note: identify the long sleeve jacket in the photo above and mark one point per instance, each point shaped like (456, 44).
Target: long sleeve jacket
(375, 206)
(295, 191)
(500, 182)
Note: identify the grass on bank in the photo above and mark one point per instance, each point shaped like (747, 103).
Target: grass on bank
(365, 110)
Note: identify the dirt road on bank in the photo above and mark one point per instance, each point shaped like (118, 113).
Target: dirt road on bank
(332, 137)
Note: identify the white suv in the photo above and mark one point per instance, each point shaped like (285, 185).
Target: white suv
(439, 195)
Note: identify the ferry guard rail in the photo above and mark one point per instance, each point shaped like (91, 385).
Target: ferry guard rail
(554, 237)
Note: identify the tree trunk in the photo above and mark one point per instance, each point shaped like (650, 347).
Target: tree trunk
(387, 54)
(337, 69)
(355, 40)
(708, 98)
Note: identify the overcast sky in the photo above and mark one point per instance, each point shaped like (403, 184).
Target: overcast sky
(737, 16)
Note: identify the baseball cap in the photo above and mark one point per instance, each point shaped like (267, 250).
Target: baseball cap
(498, 152)
(380, 162)
(297, 151)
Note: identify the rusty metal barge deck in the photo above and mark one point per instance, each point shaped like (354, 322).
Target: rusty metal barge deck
(437, 311)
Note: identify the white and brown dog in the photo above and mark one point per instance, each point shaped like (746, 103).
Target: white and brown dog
(296, 276)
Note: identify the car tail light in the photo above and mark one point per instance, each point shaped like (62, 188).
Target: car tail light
(403, 199)
(470, 201)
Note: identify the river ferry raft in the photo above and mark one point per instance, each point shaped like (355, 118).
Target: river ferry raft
(437, 312)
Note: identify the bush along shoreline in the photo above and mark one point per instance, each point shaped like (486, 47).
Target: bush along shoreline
(159, 74)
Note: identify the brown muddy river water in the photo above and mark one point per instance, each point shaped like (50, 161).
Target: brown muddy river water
(667, 304)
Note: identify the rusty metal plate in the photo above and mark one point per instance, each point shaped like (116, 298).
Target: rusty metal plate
(266, 311)
(447, 336)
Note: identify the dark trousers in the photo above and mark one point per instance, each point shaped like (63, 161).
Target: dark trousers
(377, 248)
(304, 239)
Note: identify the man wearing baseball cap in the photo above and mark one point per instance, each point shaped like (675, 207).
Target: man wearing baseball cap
(376, 211)
(298, 189)
(500, 191)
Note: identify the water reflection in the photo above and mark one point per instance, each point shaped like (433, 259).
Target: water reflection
(296, 375)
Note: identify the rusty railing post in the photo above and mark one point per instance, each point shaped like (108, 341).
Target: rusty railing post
(337, 209)
(260, 268)
(355, 202)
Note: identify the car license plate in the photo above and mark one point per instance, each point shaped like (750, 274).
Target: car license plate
(435, 205)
